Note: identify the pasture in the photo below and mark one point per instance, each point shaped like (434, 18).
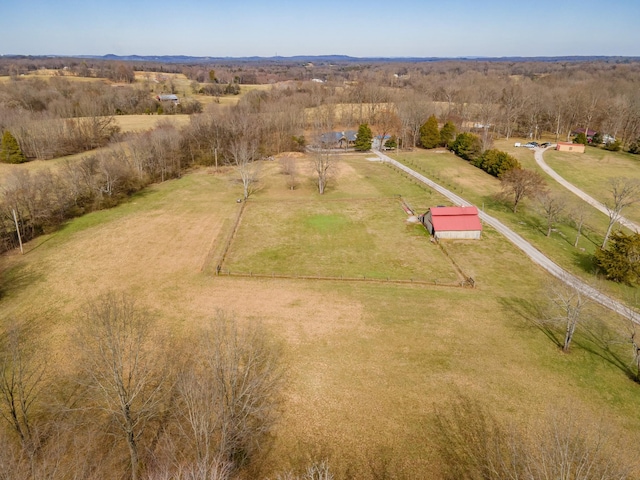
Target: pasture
(367, 362)
(141, 123)
(476, 186)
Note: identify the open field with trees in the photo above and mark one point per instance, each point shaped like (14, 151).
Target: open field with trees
(223, 286)
(398, 352)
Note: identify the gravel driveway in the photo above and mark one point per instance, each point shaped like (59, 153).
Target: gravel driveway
(532, 252)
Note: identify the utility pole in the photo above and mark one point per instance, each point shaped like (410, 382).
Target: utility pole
(15, 219)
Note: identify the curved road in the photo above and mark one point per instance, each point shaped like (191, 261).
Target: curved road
(573, 189)
(533, 253)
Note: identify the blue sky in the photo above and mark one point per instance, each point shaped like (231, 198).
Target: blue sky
(401, 28)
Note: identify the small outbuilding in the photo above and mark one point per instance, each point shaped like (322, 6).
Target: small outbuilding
(453, 222)
(168, 98)
(570, 147)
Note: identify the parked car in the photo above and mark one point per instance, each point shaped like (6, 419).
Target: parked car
(545, 145)
(530, 145)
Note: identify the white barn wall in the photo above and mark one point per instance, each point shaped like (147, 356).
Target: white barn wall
(461, 235)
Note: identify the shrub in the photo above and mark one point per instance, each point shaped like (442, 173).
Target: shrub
(496, 162)
(613, 146)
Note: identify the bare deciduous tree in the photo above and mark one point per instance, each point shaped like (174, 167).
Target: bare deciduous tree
(243, 147)
(122, 367)
(519, 183)
(323, 164)
(624, 192)
(288, 167)
(552, 207)
(22, 380)
(566, 307)
(579, 215)
(635, 345)
(228, 397)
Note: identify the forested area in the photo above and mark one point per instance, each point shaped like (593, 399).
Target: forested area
(58, 116)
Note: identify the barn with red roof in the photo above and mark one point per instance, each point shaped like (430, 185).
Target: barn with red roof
(453, 222)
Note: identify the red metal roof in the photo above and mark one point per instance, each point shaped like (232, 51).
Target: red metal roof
(455, 219)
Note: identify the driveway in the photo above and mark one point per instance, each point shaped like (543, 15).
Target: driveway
(538, 257)
(538, 155)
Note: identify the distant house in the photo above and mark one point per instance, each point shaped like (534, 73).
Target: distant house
(168, 98)
(570, 147)
(344, 139)
(453, 222)
(588, 132)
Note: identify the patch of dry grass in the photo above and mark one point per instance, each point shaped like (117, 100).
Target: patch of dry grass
(140, 123)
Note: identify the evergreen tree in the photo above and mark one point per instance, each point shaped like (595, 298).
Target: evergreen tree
(392, 143)
(581, 138)
(467, 146)
(429, 133)
(364, 138)
(10, 151)
(447, 134)
(621, 260)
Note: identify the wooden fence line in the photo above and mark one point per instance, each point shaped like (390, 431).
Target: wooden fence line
(227, 245)
(435, 282)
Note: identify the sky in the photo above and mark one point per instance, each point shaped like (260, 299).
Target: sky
(373, 28)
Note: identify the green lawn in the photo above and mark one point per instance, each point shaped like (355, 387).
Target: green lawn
(359, 238)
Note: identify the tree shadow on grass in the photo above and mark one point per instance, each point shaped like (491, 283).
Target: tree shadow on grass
(594, 338)
(599, 341)
(584, 261)
(532, 314)
(17, 279)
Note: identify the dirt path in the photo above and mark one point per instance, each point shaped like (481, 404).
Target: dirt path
(538, 155)
(532, 252)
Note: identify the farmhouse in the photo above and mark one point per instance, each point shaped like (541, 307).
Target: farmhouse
(452, 222)
(570, 147)
(338, 139)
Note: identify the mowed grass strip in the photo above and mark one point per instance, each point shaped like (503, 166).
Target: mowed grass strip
(361, 238)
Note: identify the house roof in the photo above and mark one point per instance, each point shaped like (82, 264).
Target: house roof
(455, 219)
(589, 132)
(167, 97)
(335, 137)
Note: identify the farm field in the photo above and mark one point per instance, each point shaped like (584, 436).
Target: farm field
(141, 123)
(476, 186)
(368, 362)
(592, 170)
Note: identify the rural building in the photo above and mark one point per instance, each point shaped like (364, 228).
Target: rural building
(570, 147)
(168, 98)
(588, 133)
(344, 139)
(453, 222)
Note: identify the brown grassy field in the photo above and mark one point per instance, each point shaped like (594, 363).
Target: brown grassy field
(140, 123)
(367, 362)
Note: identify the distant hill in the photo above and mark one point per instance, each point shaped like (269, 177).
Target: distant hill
(331, 59)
